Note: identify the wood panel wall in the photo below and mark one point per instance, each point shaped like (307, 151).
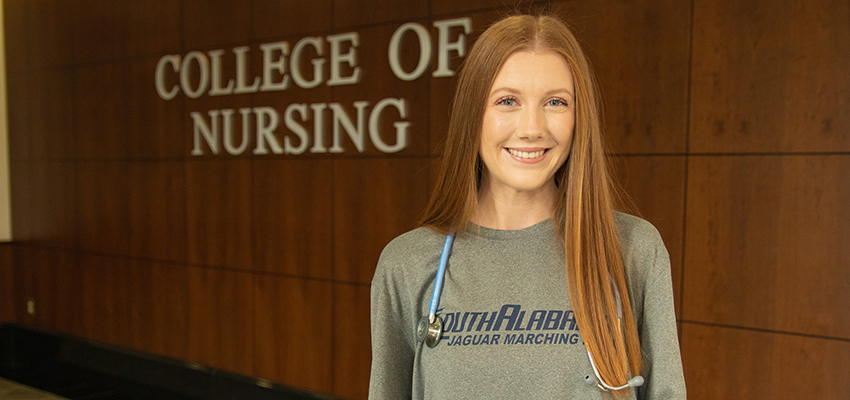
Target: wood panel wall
(729, 122)
(7, 283)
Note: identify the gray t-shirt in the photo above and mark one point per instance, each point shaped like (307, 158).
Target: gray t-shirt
(509, 327)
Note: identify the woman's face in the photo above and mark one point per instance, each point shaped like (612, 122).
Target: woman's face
(528, 123)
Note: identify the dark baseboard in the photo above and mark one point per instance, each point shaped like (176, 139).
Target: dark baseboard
(70, 366)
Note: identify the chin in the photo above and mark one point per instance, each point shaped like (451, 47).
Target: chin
(528, 187)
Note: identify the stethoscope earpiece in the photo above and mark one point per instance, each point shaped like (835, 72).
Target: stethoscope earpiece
(636, 381)
(595, 379)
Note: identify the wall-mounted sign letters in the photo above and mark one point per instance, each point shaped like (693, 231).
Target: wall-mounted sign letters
(335, 63)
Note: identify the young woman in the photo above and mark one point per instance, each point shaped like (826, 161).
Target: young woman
(541, 274)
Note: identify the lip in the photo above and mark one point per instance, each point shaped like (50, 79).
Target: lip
(527, 150)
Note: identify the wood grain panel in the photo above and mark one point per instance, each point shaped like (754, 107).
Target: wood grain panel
(377, 82)
(50, 32)
(100, 106)
(55, 287)
(213, 23)
(639, 51)
(293, 331)
(8, 301)
(155, 126)
(158, 210)
(730, 363)
(52, 99)
(154, 27)
(53, 201)
(100, 29)
(159, 305)
(362, 12)
(442, 89)
(105, 290)
(439, 7)
(275, 18)
(769, 78)
(102, 207)
(221, 319)
(20, 194)
(292, 216)
(218, 212)
(19, 127)
(656, 186)
(15, 13)
(352, 357)
(766, 243)
(25, 275)
(375, 200)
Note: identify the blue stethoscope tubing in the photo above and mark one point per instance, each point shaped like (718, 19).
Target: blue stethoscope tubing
(441, 276)
(431, 330)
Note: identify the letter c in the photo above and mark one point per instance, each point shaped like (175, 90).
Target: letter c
(174, 60)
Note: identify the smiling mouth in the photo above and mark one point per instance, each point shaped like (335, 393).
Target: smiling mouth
(527, 155)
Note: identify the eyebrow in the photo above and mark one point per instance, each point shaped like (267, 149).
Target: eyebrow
(516, 91)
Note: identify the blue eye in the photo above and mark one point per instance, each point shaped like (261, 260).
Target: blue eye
(557, 102)
(507, 101)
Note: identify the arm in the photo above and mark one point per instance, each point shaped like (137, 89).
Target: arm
(392, 347)
(659, 337)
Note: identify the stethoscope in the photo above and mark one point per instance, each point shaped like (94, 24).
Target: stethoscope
(430, 328)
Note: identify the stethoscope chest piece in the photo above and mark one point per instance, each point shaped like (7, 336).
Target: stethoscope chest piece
(430, 332)
(430, 327)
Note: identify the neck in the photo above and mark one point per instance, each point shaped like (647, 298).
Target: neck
(513, 210)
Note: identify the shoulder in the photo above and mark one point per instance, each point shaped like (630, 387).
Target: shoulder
(643, 249)
(647, 263)
(411, 244)
(409, 250)
(637, 233)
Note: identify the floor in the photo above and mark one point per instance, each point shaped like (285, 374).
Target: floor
(15, 391)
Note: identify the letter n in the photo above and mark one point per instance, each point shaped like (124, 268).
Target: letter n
(210, 135)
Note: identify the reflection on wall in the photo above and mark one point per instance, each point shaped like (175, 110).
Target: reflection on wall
(5, 203)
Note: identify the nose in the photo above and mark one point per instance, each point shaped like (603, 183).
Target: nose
(532, 124)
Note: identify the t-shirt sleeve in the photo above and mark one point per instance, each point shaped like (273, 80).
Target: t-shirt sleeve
(392, 347)
(663, 374)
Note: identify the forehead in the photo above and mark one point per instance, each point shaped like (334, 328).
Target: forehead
(532, 70)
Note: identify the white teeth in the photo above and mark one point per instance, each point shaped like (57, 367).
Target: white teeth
(524, 154)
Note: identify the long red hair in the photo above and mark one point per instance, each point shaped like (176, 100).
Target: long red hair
(584, 205)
